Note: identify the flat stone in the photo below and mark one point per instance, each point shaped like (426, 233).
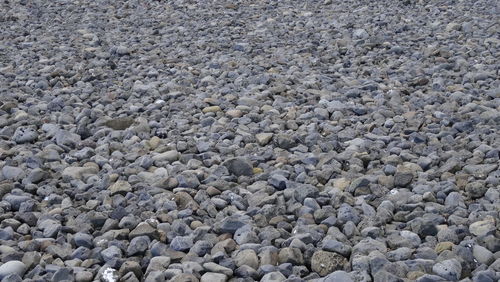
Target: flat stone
(78, 172)
(480, 171)
(211, 109)
(483, 255)
(12, 172)
(235, 113)
(121, 123)
(144, 229)
(169, 156)
(213, 267)
(120, 187)
(239, 167)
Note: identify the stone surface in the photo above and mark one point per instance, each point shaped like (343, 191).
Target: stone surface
(239, 167)
(12, 267)
(324, 263)
(263, 141)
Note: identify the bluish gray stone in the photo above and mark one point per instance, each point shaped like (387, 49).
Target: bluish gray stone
(181, 243)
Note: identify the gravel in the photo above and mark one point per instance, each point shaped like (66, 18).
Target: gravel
(249, 140)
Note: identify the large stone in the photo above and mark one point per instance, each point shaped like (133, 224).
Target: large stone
(480, 171)
(483, 227)
(144, 229)
(232, 223)
(169, 156)
(120, 187)
(324, 262)
(24, 135)
(263, 138)
(483, 255)
(291, 255)
(402, 179)
(181, 243)
(120, 123)
(450, 269)
(247, 257)
(12, 172)
(12, 267)
(78, 172)
(213, 267)
(239, 167)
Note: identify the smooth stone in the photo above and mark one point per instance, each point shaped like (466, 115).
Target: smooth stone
(169, 156)
(483, 255)
(12, 267)
(483, 227)
(211, 109)
(12, 172)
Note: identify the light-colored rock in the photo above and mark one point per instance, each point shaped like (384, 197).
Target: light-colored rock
(483, 227)
(263, 138)
(120, 187)
(213, 277)
(169, 156)
(78, 172)
(12, 267)
(211, 109)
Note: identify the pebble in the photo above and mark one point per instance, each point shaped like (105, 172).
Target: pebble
(327, 141)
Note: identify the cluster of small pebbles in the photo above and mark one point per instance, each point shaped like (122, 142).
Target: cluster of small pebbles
(196, 140)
